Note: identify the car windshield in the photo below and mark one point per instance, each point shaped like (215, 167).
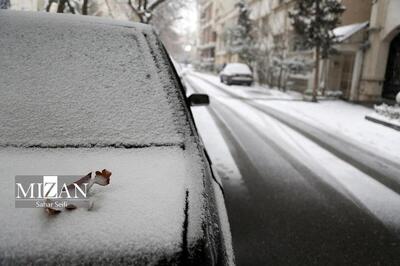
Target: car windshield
(92, 85)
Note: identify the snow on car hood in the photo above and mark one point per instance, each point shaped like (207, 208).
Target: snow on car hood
(138, 218)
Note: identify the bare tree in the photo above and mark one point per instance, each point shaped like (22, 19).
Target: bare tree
(49, 3)
(144, 9)
(164, 20)
(61, 6)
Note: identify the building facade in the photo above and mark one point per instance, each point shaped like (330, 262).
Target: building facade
(380, 75)
(366, 66)
(207, 34)
(28, 5)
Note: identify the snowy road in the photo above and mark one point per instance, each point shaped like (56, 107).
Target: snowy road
(295, 197)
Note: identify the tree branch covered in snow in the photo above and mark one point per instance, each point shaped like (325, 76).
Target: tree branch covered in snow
(314, 21)
(239, 38)
(72, 6)
(61, 6)
(143, 9)
(165, 18)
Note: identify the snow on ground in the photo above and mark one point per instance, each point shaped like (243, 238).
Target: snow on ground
(360, 188)
(386, 119)
(366, 191)
(216, 145)
(252, 92)
(336, 116)
(347, 119)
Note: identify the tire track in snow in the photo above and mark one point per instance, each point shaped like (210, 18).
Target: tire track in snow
(385, 171)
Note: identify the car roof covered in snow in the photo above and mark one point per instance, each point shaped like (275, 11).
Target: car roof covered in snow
(83, 81)
(237, 68)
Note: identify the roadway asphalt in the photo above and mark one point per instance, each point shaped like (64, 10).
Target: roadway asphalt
(292, 208)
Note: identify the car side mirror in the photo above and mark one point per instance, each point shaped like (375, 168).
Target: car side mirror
(198, 99)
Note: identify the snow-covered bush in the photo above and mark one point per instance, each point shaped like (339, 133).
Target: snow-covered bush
(281, 68)
(392, 112)
(298, 65)
(206, 64)
(333, 93)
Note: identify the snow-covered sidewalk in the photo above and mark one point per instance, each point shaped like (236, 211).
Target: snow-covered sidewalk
(337, 117)
(347, 120)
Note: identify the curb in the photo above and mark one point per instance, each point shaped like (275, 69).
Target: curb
(384, 123)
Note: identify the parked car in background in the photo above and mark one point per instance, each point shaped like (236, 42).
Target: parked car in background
(83, 93)
(236, 73)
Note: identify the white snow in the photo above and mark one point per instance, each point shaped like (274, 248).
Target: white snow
(347, 120)
(68, 80)
(386, 119)
(248, 92)
(392, 112)
(355, 185)
(225, 230)
(351, 182)
(236, 68)
(344, 32)
(82, 82)
(217, 148)
(337, 116)
(139, 216)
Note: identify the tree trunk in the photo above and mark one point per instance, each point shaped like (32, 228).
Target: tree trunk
(280, 78)
(317, 52)
(285, 78)
(61, 6)
(49, 5)
(85, 7)
(316, 76)
(71, 8)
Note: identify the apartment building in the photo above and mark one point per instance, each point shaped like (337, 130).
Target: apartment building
(366, 67)
(28, 5)
(380, 60)
(207, 34)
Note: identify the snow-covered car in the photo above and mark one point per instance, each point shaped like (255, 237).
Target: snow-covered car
(236, 73)
(80, 94)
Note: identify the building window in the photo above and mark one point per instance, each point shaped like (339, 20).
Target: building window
(214, 36)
